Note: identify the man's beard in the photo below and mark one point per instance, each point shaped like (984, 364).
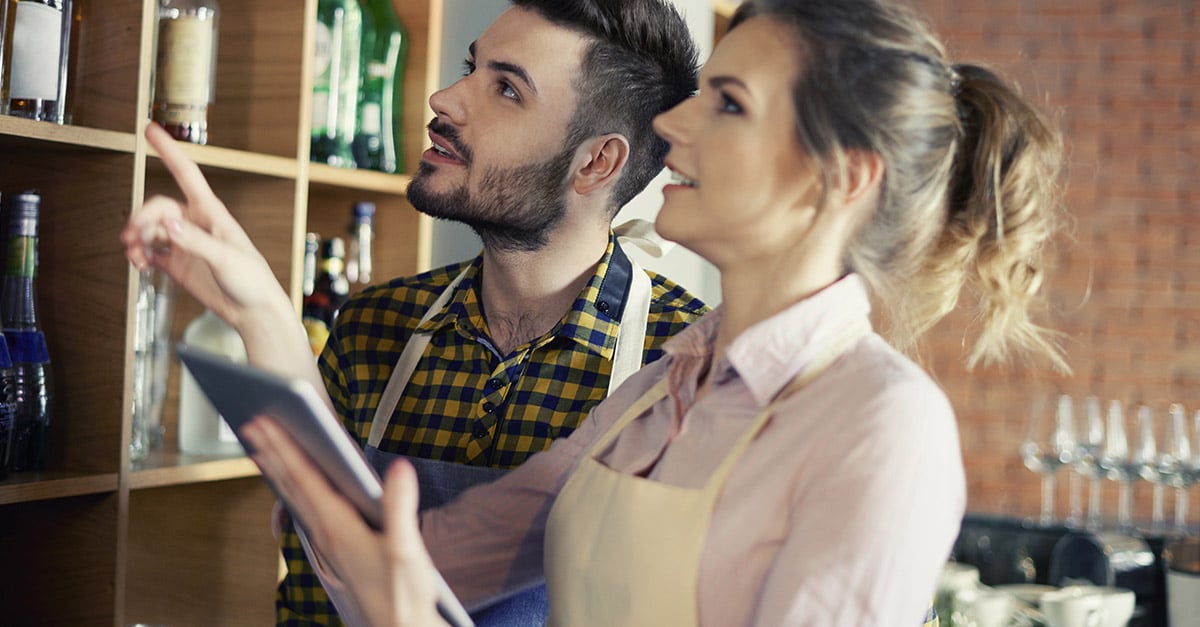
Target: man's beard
(516, 209)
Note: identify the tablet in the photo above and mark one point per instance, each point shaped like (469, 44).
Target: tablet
(241, 392)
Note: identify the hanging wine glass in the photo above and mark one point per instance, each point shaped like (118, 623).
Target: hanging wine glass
(1089, 441)
(1177, 440)
(1158, 460)
(1049, 444)
(1120, 463)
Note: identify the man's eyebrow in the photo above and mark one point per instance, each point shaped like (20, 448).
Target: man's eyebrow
(507, 68)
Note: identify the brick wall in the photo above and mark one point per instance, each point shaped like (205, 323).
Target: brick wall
(1122, 78)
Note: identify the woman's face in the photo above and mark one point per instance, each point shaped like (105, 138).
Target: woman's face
(742, 186)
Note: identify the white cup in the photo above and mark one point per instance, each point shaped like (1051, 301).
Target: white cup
(1183, 582)
(986, 607)
(1074, 606)
(1183, 599)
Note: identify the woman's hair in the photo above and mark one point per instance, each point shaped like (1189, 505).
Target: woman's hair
(969, 196)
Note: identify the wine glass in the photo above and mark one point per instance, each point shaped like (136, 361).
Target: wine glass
(1049, 444)
(1178, 441)
(1159, 457)
(1089, 441)
(1120, 463)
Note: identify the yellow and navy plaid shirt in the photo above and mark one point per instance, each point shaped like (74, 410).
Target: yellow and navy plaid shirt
(465, 403)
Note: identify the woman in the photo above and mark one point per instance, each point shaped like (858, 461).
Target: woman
(782, 464)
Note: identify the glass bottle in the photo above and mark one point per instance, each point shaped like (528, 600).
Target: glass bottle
(8, 404)
(331, 289)
(185, 67)
(312, 316)
(41, 32)
(27, 344)
(3, 96)
(336, 75)
(152, 360)
(362, 229)
(377, 143)
(202, 431)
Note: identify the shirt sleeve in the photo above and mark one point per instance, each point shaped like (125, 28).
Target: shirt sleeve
(870, 534)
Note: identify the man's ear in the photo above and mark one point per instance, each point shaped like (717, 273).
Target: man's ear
(603, 159)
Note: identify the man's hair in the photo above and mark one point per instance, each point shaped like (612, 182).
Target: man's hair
(640, 62)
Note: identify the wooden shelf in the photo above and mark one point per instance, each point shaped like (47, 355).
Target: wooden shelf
(360, 180)
(168, 468)
(12, 128)
(27, 487)
(234, 160)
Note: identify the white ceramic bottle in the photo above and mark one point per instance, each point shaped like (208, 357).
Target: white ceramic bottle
(202, 431)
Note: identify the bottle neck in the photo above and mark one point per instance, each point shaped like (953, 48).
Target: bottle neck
(17, 303)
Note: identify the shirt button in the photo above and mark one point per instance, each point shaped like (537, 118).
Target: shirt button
(602, 306)
(480, 430)
(494, 384)
(489, 407)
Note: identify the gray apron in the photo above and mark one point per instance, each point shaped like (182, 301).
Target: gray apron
(440, 482)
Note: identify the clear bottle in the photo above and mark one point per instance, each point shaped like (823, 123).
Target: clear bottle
(42, 34)
(362, 232)
(336, 76)
(202, 431)
(8, 404)
(377, 142)
(33, 415)
(185, 67)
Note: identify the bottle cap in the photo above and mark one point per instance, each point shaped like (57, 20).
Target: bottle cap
(334, 247)
(364, 210)
(25, 205)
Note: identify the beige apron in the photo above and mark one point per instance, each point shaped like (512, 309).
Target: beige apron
(440, 481)
(625, 550)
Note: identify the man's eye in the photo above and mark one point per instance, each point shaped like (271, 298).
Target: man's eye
(729, 105)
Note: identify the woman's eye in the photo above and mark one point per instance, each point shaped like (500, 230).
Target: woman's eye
(729, 105)
(507, 91)
(468, 66)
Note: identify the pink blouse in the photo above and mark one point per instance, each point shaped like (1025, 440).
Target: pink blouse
(841, 512)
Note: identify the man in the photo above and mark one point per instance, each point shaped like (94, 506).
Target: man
(476, 366)
(479, 365)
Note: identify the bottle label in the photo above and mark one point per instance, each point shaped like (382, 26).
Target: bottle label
(185, 59)
(37, 39)
(322, 63)
(369, 119)
(22, 257)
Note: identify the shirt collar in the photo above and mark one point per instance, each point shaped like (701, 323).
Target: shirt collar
(593, 320)
(768, 355)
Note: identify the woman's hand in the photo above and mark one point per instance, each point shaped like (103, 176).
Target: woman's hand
(200, 245)
(388, 573)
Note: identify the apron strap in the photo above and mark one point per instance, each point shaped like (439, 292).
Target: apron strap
(407, 364)
(631, 332)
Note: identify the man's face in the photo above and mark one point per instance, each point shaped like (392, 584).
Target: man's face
(498, 161)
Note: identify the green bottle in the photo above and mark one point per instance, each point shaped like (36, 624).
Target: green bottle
(377, 143)
(336, 75)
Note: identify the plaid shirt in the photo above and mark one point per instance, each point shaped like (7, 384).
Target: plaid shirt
(465, 403)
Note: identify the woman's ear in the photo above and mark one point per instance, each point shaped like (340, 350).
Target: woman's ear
(604, 160)
(863, 175)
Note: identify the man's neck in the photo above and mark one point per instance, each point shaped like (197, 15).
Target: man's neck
(525, 294)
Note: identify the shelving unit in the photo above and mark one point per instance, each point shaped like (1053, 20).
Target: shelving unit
(177, 539)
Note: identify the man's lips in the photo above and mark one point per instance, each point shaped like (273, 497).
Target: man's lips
(442, 151)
